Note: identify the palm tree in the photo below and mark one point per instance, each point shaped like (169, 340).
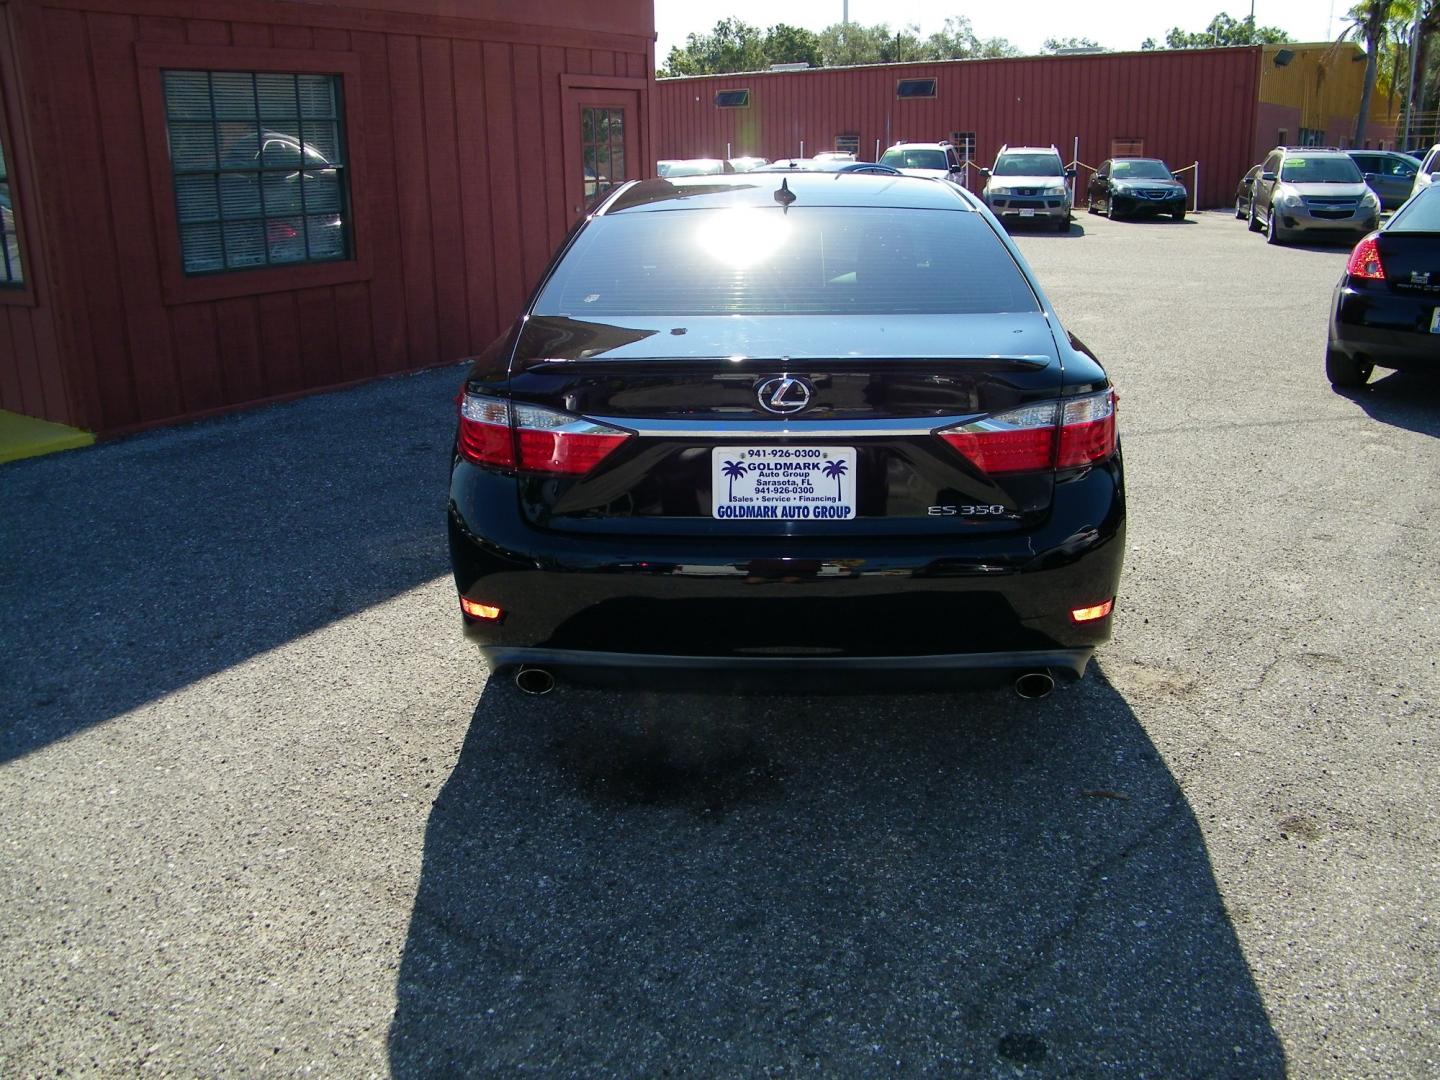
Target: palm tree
(734, 470)
(834, 470)
(1370, 19)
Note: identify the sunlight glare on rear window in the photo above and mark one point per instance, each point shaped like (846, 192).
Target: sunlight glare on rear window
(742, 237)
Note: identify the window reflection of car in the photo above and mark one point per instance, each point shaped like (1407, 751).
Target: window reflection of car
(310, 190)
(693, 167)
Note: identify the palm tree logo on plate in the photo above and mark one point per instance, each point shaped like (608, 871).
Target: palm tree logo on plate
(834, 470)
(733, 470)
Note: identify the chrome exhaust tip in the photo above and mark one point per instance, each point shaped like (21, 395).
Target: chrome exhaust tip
(1034, 685)
(534, 681)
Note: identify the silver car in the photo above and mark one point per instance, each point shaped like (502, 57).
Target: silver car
(1311, 192)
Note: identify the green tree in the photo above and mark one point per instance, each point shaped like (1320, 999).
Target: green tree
(733, 45)
(1222, 30)
(791, 45)
(1054, 45)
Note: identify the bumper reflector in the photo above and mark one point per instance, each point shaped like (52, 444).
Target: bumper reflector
(480, 611)
(1090, 614)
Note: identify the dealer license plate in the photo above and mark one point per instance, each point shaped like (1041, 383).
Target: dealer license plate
(1027, 213)
(1435, 322)
(783, 483)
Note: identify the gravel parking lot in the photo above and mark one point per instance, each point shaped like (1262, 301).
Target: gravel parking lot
(261, 811)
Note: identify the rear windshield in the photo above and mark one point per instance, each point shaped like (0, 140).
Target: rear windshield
(914, 159)
(1028, 165)
(1420, 214)
(1140, 170)
(1320, 170)
(809, 261)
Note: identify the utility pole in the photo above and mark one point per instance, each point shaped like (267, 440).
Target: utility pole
(845, 12)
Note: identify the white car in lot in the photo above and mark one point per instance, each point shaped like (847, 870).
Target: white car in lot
(1429, 170)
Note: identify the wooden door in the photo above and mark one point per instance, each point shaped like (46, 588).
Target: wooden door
(602, 143)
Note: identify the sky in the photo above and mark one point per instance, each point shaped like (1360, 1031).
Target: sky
(1026, 25)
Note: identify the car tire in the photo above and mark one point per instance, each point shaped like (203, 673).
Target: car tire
(1110, 211)
(1272, 229)
(1063, 226)
(1090, 207)
(1344, 371)
(1239, 213)
(1254, 222)
(1179, 215)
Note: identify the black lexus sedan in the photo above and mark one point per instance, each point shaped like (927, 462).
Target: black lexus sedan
(809, 425)
(1136, 187)
(1386, 307)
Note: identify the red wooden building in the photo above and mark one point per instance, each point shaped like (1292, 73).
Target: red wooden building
(1183, 106)
(212, 203)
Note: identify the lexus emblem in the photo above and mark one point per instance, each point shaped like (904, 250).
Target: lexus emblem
(784, 394)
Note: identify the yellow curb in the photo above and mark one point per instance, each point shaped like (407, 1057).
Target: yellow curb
(25, 436)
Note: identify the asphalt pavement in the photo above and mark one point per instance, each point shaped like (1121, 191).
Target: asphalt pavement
(261, 811)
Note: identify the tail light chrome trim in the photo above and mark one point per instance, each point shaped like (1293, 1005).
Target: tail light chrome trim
(1058, 434)
(511, 435)
(772, 429)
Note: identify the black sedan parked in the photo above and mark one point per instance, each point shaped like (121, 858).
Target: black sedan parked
(817, 424)
(1386, 309)
(1134, 187)
(1245, 193)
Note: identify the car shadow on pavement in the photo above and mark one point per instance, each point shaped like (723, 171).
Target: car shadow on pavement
(647, 884)
(136, 567)
(1404, 399)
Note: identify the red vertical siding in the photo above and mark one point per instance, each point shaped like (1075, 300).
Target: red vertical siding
(461, 202)
(1187, 105)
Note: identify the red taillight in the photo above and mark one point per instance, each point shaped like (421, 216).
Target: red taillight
(492, 429)
(485, 435)
(1047, 435)
(1365, 259)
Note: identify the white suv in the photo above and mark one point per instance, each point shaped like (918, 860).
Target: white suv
(1027, 183)
(934, 159)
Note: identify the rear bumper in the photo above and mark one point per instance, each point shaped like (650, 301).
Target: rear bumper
(1385, 328)
(810, 604)
(808, 674)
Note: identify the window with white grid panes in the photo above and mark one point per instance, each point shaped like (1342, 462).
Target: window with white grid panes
(259, 168)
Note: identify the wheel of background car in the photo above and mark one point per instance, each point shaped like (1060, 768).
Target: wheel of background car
(1110, 211)
(1239, 213)
(1272, 228)
(1345, 371)
(1254, 223)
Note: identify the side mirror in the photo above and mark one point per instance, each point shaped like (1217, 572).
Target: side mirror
(1435, 176)
(985, 172)
(1069, 173)
(1267, 176)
